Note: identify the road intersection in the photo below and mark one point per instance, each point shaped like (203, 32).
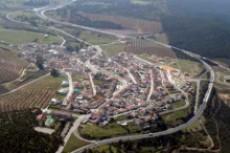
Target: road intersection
(41, 12)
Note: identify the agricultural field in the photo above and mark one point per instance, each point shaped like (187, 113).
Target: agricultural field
(91, 37)
(29, 76)
(149, 47)
(11, 65)
(96, 38)
(113, 49)
(123, 24)
(35, 95)
(141, 47)
(20, 36)
(137, 25)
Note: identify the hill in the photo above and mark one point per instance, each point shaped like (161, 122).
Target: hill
(201, 26)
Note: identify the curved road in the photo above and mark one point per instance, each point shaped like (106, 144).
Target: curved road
(41, 12)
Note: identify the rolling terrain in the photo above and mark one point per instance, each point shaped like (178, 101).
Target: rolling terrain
(202, 27)
(123, 79)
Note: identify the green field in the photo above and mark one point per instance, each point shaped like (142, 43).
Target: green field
(21, 36)
(91, 37)
(141, 2)
(29, 76)
(178, 104)
(191, 67)
(113, 49)
(175, 117)
(196, 126)
(9, 55)
(11, 65)
(107, 149)
(93, 131)
(35, 95)
(95, 38)
(73, 143)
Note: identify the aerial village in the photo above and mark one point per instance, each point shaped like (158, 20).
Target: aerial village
(124, 86)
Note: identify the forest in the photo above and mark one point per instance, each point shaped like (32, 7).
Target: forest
(199, 26)
(17, 129)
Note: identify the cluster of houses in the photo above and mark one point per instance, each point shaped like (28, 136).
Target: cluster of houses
(150, 88)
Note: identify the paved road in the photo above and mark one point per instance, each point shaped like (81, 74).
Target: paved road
(92, 84)
(157, 134)
(8, 17)
(62, 45)
(143, 60)
(171, 130)
(71, 88)
(151, 86)
(41, 13)
(76, 125)
(71, 131)
(132, 78)
(69, 35)
(130, 75)
(133, 137)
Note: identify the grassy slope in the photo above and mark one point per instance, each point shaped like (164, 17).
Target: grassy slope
(112, 129)
(73, 143)
(20, 36)
(113, 49)
(191, 67)
(10, 56)
(11, 65)
(96, 38)
(37, 94)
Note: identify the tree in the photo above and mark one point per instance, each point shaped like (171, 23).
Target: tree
(70, 48)
(54, 73)
(40, 62)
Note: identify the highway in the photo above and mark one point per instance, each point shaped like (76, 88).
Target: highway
(41, 12)
(198, 114)
(8, 17)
